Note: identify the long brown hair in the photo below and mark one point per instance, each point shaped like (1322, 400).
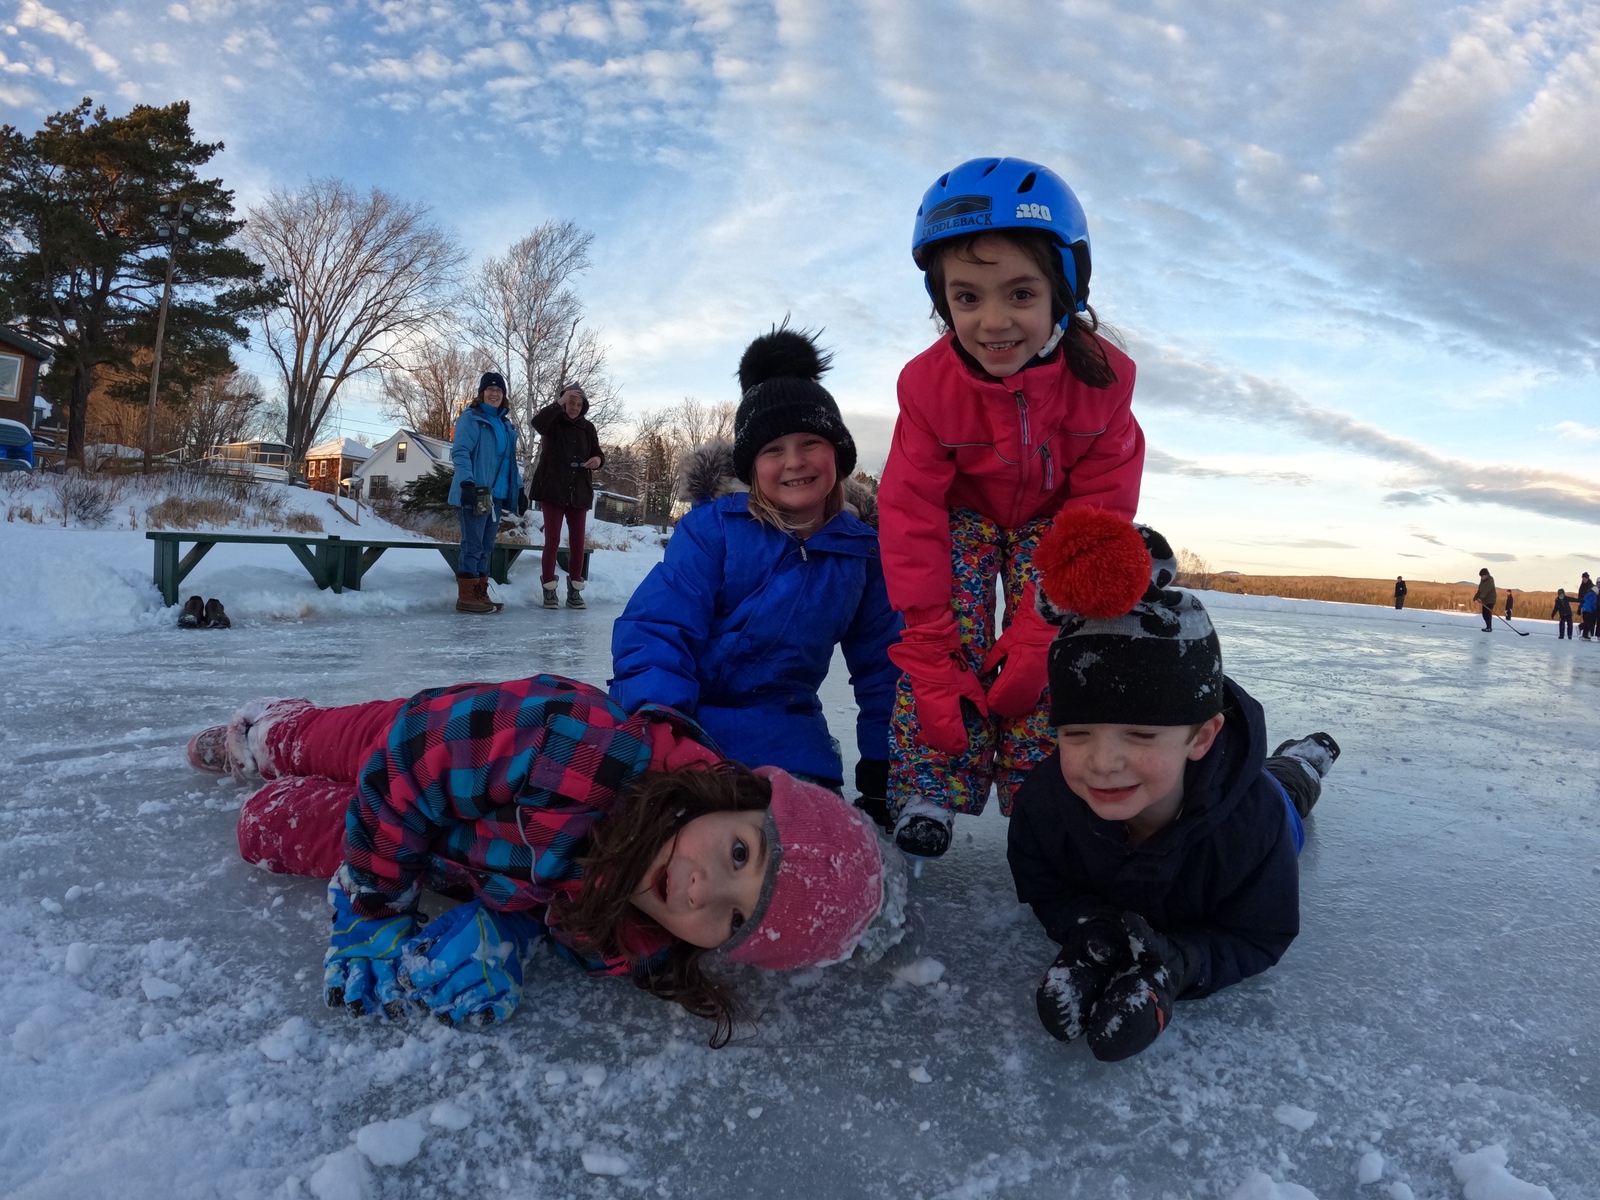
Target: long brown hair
(1086, 357)
(621, 847)
(763, 508)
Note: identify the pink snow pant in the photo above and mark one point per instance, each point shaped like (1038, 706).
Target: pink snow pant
(577, 522)
(311, 758)
(1000, 750)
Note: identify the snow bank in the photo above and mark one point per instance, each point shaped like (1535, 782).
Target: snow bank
(64, 582)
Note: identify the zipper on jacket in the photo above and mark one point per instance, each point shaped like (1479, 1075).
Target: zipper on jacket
(1049, 469)
(1022, 414)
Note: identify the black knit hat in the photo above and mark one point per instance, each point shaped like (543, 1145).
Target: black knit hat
(1131, 650)
(491, 379)
(778, 375)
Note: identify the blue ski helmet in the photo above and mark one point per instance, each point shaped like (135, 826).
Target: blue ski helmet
(985, 194)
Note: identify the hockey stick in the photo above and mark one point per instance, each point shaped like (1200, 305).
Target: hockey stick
(1510, 626)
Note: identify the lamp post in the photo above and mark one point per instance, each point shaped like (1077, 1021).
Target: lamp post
(172, 223)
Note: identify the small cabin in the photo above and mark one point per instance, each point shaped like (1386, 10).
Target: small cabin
(400, 458)
(331, 463)
(20, 360)
(266, 461)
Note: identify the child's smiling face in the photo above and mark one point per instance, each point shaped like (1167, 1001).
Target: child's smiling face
(1132, 773)
(999, 304)
(797, 473)
(705, 882)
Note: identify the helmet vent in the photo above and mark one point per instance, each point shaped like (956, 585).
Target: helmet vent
(944, 179)
(989, 168)
(1027, 182)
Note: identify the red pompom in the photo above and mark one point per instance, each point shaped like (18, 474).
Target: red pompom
(1093, 563)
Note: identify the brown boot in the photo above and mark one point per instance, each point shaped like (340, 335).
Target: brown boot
(483, 593)
(467, 597)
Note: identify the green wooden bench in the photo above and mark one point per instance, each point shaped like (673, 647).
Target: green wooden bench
(332, 562)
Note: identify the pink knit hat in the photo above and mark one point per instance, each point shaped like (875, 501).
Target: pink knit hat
(825, 880)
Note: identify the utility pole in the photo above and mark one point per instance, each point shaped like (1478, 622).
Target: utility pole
(172, 224)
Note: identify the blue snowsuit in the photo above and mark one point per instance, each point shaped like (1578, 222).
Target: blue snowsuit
(736, 627)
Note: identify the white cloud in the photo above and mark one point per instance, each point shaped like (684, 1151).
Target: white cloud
(33, 15)
(1575, 432)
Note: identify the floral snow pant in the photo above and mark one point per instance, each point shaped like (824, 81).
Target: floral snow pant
(1000, 750)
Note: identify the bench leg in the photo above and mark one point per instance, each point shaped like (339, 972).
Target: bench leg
(166, 572)
(356, 565)
(501, 560)
(452, 555)
(312, 563)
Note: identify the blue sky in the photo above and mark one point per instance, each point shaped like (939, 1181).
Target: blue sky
(1353, 246)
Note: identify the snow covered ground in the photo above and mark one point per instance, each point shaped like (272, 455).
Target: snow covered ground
(1431, 1033)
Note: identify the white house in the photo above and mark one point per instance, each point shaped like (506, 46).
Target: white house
(397, 460)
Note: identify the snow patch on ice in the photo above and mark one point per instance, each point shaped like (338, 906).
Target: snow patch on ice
(920, 971)
(342, 1176)
(292, 1039)
(1483, 1176)
(80, 957)
(1258, 1185)
(604, 1162)
(1370, 1168)
(1295, 1117)
(594, 1076)
(160, 989)
(391, 1143)
(450, 1116)
(920, 1075)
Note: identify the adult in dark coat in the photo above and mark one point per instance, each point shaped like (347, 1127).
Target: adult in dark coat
(1485, 596)
(1399, 592)
(1562, 612)
(569, 449)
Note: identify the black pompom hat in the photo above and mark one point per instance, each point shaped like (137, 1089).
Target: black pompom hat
(491, 379)
(1131, 649)
(778, 375)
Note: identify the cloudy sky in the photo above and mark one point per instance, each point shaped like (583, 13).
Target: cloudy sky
(1354, 246)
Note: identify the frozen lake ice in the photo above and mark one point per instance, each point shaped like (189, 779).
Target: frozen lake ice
(162, 1031)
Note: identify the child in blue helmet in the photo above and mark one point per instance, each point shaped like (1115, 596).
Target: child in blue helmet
(737, 625)
(1018, 411)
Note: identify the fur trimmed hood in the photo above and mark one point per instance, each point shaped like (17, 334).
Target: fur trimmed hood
(706, 473)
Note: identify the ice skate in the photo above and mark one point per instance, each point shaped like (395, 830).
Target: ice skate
(193, 614)
(208, 750)
(924, 829)
(1316, 752)
(215, 617)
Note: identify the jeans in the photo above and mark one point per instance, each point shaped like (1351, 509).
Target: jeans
(577, 520)
(477, 539)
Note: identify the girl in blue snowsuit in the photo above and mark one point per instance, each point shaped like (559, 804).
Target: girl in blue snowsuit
(736, 626)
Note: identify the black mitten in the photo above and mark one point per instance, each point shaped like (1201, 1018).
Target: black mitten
(522, 503)
(1136, 1004)
(1093, 950)
(872, 781)
(469, 495)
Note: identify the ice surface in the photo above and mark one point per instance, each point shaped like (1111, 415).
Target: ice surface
(1258, 1185)
(1436, 996)
(391, 1143)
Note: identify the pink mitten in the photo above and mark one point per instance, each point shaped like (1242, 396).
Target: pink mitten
(1024, 649)
(940, 678)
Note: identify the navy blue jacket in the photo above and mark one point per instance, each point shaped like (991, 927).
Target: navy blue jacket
(1221, 880)
(736, 627)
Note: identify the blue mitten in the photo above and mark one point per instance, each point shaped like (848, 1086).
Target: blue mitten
(468, 963)
(359, 969)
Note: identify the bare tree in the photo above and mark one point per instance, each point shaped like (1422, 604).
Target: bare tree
(428, 383)
(522, 309)
(359, 276)
(1193, 571)
(694, 422)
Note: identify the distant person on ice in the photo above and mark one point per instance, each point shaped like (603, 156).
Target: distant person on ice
(1158, 844)
(483, 453)
(1485, 596)
(1587, 611)
(1020, 411)
(627, 840)
(562, 485)
(1562, 613)
(763, 579)
(1399, 592)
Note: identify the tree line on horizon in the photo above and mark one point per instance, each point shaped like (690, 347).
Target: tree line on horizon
(338, 285)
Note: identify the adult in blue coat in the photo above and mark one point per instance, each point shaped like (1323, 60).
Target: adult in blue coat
(486, 481)
(737, 625)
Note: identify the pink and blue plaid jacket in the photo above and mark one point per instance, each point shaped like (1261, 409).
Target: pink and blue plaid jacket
(492, 788)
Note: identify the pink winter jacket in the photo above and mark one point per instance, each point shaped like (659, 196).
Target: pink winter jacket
(1012, 449)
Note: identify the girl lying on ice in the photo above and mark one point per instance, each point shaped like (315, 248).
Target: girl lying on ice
(762, 579)
(628, 840)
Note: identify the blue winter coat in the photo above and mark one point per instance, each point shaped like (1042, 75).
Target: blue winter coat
(736, 627)
(1221, 880)
(475, 452)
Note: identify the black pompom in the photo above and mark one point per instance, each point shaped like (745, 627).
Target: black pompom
(783, 352)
